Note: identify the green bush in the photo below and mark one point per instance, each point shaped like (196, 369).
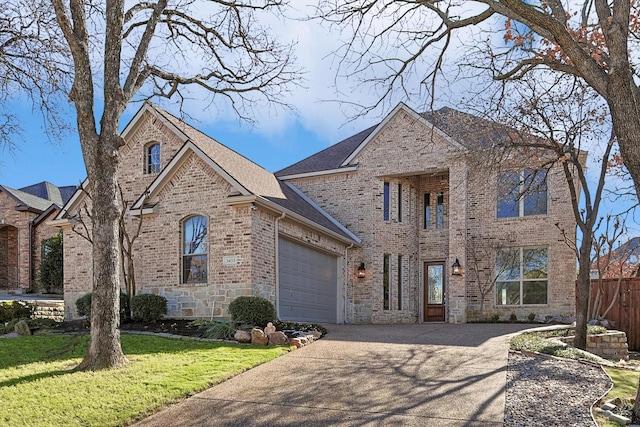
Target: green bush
(83, 306)
(16, 310)
(148, 307)
(255, 311)
(51, 274)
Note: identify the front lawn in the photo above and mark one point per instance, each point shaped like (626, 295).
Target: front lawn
(38, 386)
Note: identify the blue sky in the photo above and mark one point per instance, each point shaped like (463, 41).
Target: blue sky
(35, 158)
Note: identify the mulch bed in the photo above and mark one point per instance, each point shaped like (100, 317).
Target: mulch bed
(169, 326)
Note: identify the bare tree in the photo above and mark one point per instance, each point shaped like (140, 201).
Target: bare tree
(557, 117)
(124, 51)
(611, 260)
(33, 63)
(484, 266)
(127, 241)
(594, 40)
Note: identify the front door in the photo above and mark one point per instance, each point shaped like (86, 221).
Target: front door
(434, 293)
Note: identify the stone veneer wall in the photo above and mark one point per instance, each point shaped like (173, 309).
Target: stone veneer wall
(610, 345)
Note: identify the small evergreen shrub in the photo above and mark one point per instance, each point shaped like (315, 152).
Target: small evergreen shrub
(513, 317)
(251, 310)
(16, 310)
(531, 317)
(51, 264)
(83, 306)
(148, 307)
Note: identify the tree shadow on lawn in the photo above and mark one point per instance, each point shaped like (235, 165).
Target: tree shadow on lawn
(52, 348)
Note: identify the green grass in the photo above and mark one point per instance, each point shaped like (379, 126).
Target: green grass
(38, 386)
(625, 387)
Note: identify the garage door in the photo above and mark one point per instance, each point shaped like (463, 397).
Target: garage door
(308, 289)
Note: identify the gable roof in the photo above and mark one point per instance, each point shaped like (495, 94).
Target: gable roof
(463, 130)
(39, 197)
(245, 176)
(253, 177)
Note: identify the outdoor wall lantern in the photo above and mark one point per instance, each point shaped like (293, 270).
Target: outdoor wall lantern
(456, 270)
(362, 271)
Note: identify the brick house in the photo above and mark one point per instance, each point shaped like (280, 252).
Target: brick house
(399, 223)
(24, 216)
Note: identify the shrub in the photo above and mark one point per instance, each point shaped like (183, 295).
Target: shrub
(16, 310)
(51, 274)
(83, 306)
(513, 317)
(148, 307)
(217, 329)
(256, 311)
(531, 317)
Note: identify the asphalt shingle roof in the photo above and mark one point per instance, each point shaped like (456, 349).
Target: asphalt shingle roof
(253, 177)
(470, 131)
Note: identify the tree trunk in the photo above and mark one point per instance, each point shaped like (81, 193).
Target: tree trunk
(635, 418)
(584, 291)
(105, 350)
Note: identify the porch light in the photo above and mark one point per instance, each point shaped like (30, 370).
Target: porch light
(456, 270)
(362, 271)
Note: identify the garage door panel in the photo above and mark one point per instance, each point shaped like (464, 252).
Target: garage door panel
(308, 283)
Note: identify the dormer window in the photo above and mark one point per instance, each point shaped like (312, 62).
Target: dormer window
(152, 158)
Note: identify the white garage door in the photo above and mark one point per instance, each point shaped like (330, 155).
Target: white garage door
(308, 289)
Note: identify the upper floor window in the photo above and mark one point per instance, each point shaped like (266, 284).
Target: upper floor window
(522, 276)
(152, 158)
(522, 193)
(386, 201)
(427, 211)
(194, 250)
(440, 210)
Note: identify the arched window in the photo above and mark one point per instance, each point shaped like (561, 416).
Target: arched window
(152, 158)
(195, 250)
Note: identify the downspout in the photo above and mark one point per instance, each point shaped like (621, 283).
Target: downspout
(30, 256)
(346, 281)
(277, 272)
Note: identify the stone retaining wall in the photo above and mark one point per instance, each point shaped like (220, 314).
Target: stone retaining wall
(50, 310)
(611, 345)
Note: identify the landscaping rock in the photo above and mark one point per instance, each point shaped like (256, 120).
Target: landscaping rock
(316, 334)
(297, 342)
(242, 336)
(22, 328)
(258, 337)
(269, 329)
(560, 320)
(278, 338)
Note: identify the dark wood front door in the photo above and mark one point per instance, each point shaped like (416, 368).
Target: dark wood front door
(434, 292)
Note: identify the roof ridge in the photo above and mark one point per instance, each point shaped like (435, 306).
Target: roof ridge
(166, 113)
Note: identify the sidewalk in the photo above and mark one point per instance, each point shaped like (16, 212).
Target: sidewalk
(361, 375)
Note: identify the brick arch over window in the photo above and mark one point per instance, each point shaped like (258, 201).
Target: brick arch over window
(8, 257)
(152, 160)
(194, 249)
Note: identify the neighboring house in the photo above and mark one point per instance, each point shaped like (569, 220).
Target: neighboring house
(366, 231)
(23, 226)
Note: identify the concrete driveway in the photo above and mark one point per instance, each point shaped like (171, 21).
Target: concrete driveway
(365, 375)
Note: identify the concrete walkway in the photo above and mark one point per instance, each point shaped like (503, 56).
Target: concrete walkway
(366, 375)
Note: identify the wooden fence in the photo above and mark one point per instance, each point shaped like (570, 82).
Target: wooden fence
(626, 311)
